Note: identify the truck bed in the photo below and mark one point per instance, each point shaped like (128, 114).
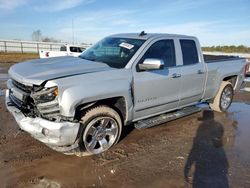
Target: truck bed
(220, 67)
(215, 58)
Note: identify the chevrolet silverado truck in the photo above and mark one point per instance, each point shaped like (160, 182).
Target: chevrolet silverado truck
(136, 79)
(65, 50)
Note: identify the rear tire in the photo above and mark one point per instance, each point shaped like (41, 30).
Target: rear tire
(223, 98)
(101, 129)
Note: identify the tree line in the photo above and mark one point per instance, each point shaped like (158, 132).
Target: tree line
(227, 49)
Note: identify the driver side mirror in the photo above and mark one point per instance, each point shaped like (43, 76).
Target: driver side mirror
(151, 64)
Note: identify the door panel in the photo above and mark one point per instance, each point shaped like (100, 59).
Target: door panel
(156, 91)
(192, 83)
(193, 73)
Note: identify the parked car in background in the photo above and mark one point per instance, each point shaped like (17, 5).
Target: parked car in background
(125, 79)
(65, 50)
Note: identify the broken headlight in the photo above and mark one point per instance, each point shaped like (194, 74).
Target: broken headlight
(45, 95)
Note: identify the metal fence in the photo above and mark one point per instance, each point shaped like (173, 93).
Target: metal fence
(29, 46)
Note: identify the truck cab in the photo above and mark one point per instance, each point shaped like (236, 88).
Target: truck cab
(180, 81)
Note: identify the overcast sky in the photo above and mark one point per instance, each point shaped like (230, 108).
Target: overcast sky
(215, 22)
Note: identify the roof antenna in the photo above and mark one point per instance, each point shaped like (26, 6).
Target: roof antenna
(142, 33)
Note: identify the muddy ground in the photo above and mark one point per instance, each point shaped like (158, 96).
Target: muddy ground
(202, 150)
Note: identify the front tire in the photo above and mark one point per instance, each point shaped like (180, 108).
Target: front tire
(223, 98)
(101, 129)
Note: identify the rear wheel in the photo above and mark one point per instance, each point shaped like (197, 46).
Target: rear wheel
(223, 98)
(102, 129)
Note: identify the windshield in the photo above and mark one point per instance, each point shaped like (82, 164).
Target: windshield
(115, 52)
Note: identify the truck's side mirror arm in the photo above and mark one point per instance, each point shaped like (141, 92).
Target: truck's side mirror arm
(151, 64)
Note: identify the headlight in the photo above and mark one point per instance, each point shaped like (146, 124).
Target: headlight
(45, 95)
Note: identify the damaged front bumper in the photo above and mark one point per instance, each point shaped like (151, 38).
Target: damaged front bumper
(60, 136)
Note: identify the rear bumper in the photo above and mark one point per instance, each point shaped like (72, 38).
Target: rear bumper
(60, 136)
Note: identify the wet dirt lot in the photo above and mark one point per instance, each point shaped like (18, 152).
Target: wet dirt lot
(202, 150)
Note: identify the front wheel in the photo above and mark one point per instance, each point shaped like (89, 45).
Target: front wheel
(223, 98)
(101, 130)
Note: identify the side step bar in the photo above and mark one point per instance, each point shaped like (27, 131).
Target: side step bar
(163, 118)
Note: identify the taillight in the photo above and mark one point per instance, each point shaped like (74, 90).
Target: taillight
(47, 54)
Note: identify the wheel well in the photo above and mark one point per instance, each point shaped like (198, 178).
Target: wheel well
(117, 103)
(231, 79)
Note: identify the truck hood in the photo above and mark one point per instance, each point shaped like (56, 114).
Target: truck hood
(35, 72)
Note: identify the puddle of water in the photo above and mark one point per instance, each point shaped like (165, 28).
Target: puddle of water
(247, 79)
(247, 89)
(241, 114)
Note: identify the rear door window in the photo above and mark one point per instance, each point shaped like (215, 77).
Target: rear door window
(189, 52)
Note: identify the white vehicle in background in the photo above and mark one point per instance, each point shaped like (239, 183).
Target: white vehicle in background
(65, 50)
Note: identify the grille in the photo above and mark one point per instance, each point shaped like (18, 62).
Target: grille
(16, 101)
(26, 89)
(26, 104)
(29, 107)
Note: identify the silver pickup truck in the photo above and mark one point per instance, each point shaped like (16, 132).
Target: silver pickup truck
(125, 79)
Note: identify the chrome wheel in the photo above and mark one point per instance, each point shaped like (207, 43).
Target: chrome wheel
(100, 134)
(226, 97)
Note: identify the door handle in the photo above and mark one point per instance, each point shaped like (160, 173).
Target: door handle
(200, 72)
(175, 75)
